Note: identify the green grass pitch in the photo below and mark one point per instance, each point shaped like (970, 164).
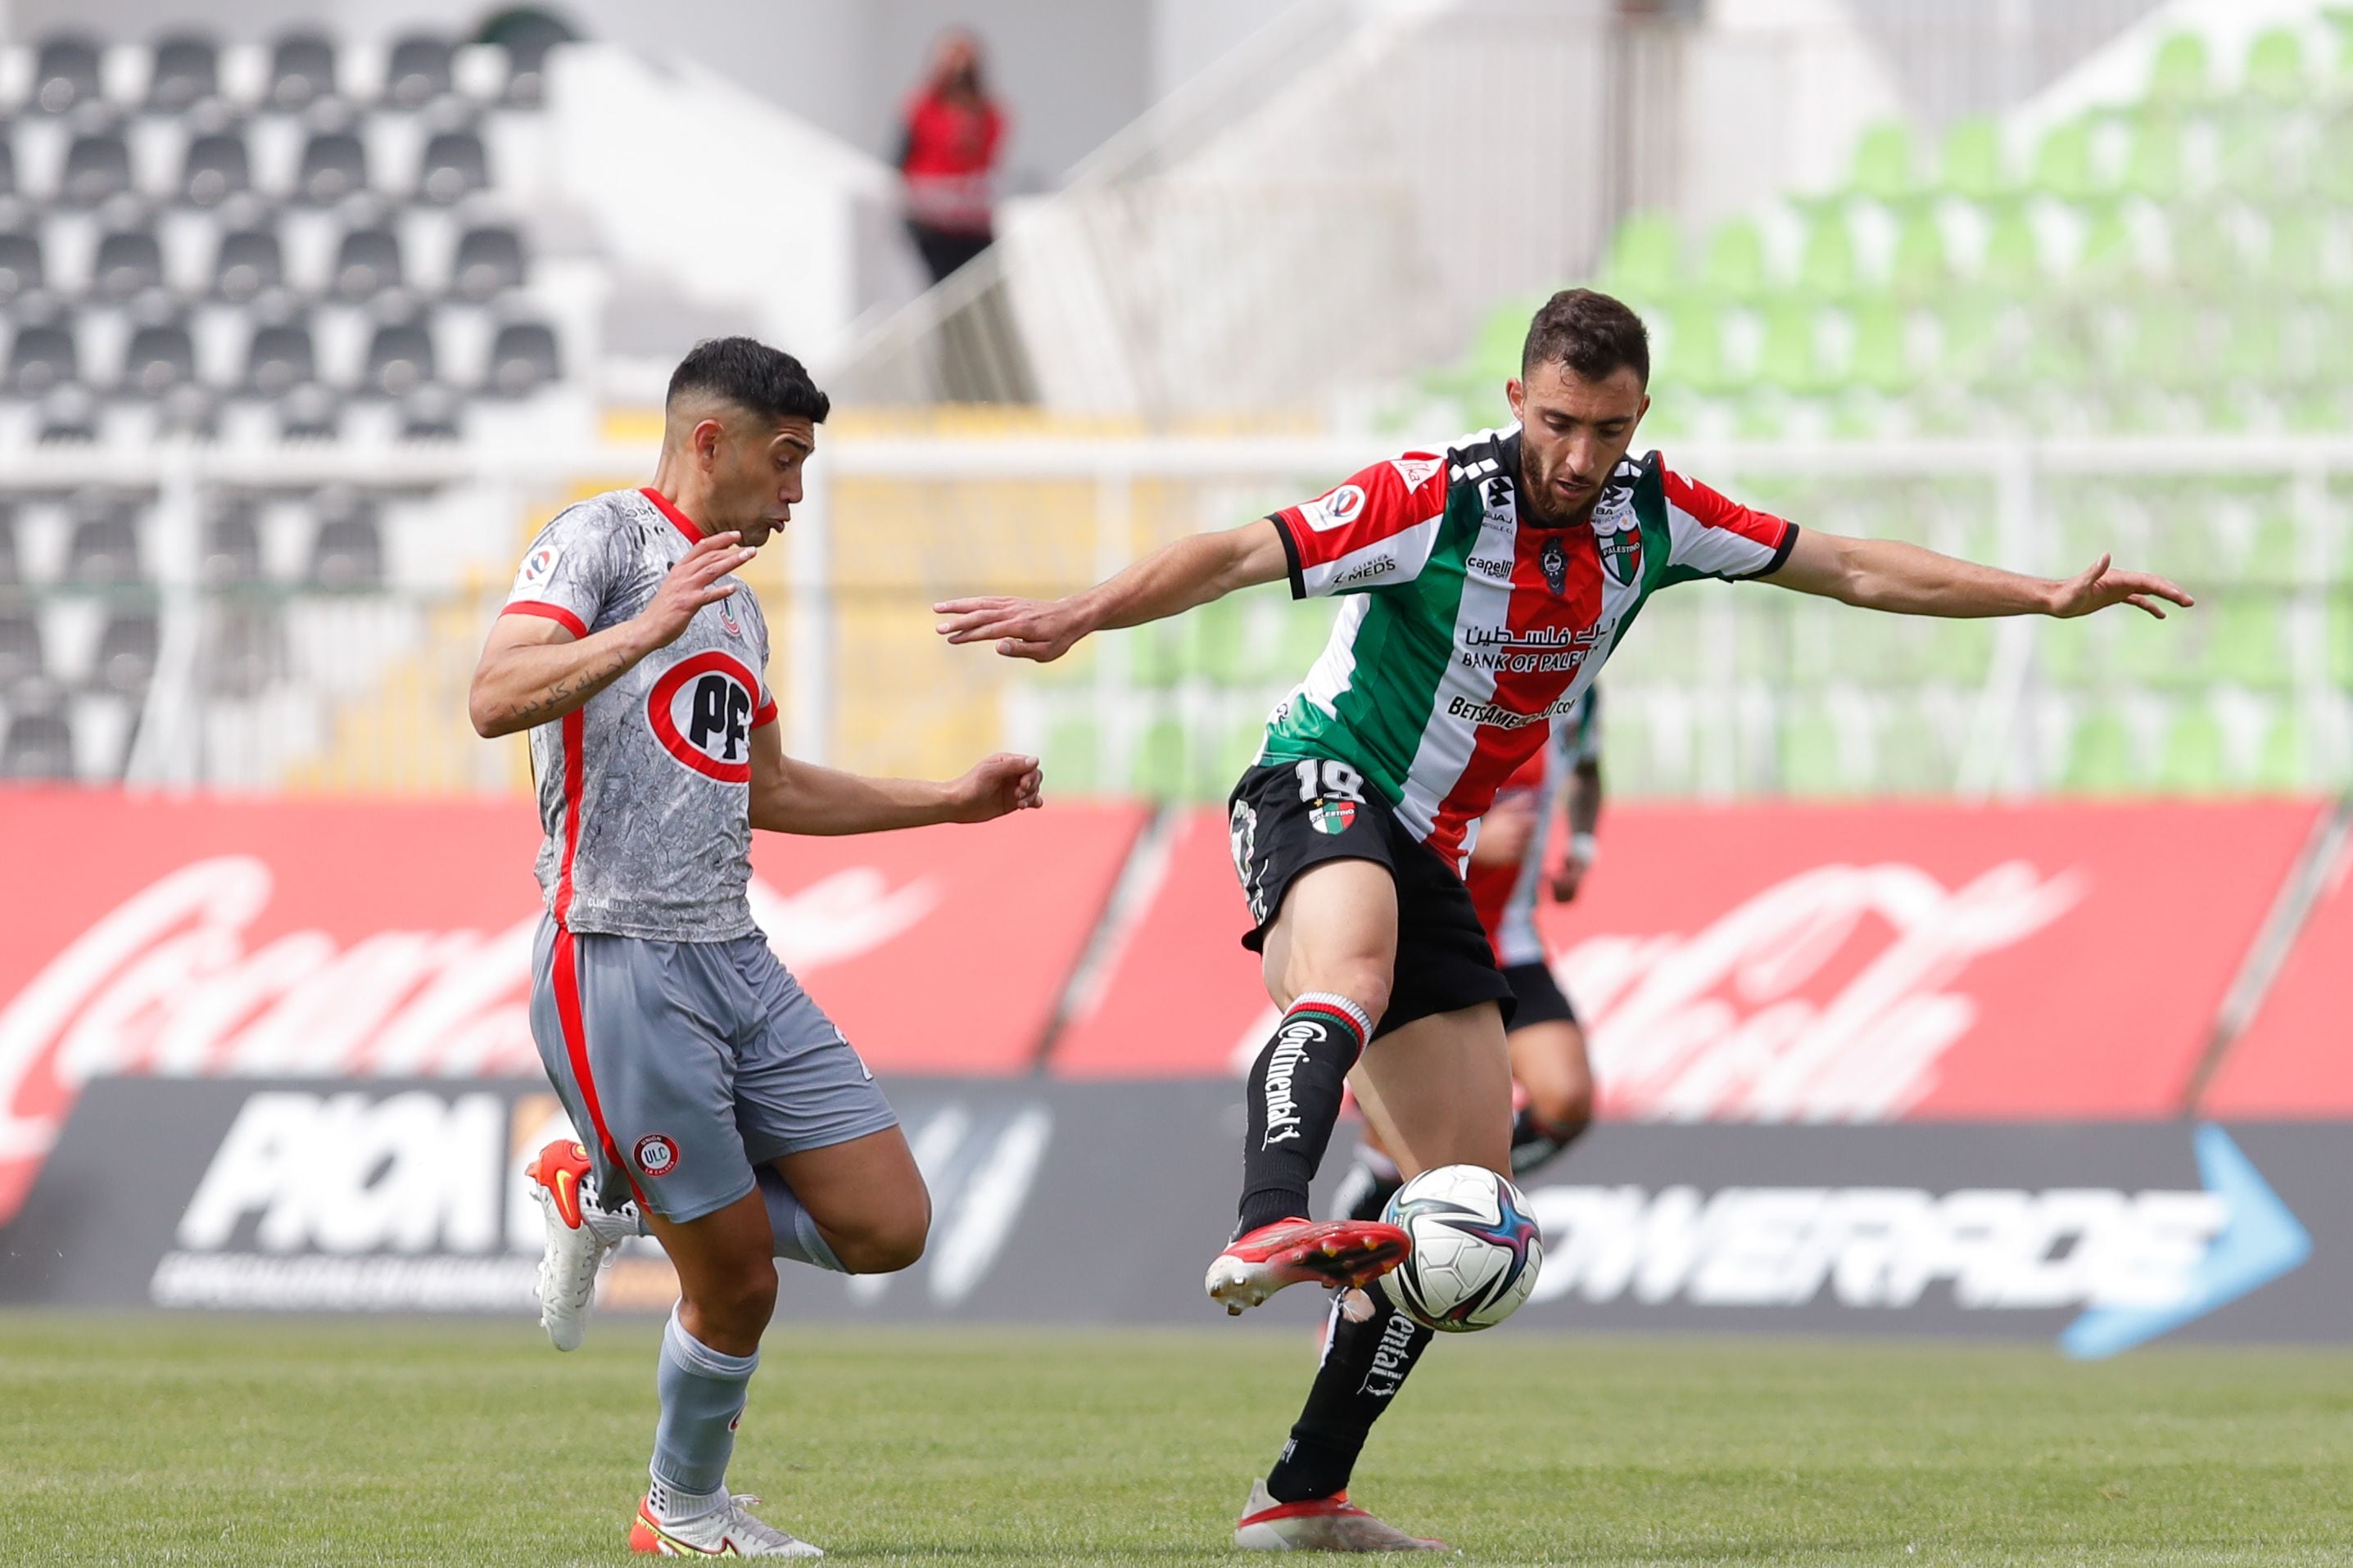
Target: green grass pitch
(172, 1440)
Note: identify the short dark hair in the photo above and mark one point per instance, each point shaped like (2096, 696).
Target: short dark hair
(1589, 333)
(750, 374)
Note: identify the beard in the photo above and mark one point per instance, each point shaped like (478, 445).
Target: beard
(1543, 508)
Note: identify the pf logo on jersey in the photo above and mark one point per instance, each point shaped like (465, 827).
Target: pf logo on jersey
(701, 711)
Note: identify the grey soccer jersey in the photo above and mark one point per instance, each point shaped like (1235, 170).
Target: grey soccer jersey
(645, 792)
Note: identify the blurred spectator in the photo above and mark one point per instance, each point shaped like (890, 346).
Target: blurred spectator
(948, 152)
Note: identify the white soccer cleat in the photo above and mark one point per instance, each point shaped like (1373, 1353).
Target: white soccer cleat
(1320, 1524)
(580, 1236)
(727, 1531)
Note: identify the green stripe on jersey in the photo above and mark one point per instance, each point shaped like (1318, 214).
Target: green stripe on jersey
(1381, 670)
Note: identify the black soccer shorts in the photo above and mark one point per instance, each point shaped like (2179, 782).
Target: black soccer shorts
(1282, 827)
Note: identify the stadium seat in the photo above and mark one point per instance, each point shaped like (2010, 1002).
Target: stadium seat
(301, 70)
(129, 263)
(2192, 761)
(400, 358)
(2178, 75)
(38, 746)
(20, 647)
(161, 357)
(7, 163)
(1919, 265)
(241, 650)
(65, 73)
(1160, 765)
(2100, 756)
(98, 168)
(334, 165)
(278, 359)
(2154, 168)
(127, 648)
(232, 547)
(1972, 164)
(68, 412)
(1826, 268)
(185, 71)
(529, 37)
(41, 357)
(21, 272)
(9, 570)
(522, 360)
(366, 263)
(1645, 258)
(1883, 162)
(216, 168)
(1736, 260)
(2274, 69)
(248, 265)
(418, 71)
(489, 262)
(432, 413)
(454, 167)
(102, 546)
(348, 551)
(310, 412)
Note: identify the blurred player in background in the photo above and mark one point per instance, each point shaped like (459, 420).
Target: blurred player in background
(1487, 583)
(1552, 1077)
(719, 1106)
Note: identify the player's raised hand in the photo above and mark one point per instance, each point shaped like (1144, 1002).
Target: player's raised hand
(2096, 587)
(693, 583)
(1040, 630)
(994, 786)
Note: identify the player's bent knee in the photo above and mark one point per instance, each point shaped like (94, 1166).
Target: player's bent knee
(1566, 1108)
(885, 1246)
(1362, 981)
(742, 1297)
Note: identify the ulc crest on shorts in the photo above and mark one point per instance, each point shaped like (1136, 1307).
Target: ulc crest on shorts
(655, 1154)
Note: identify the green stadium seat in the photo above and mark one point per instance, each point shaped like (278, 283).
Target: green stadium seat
(1645, 259)
(1813, 758)
(1973, 164)
(2014, 261)
(2099, 758)
(2205, 257)
(1222, 628)
(2295, 260)
(2162, 349)
(1736, 260)
(2337, 637)
(1882, 161)
(2192, 760)
(2109, 254)
(2253, 341)
(2063, 163)
(1306, 627)
(2283, 757)
(1882, 360)
(1826, 268)
(1789, 358)
(2178, 75)
(1919, 266)
(2274, 69)
(2154, 168)
(1072, 750)
(1157, 654)
(1913, 751)
(1159, 769)
(1694, 356)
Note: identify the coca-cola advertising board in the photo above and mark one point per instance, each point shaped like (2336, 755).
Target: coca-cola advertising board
(1784, 962)
(247, 938)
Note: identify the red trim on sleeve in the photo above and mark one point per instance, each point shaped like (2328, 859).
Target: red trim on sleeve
(545, 611)
(1371, 505)
(1718, 511)
(678, 520)
(767, 714)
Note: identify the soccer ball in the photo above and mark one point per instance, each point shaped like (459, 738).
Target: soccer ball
(1475, 1249)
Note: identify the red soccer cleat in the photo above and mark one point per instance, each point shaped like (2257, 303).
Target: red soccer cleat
(1320, 1524)
(1339, 1252)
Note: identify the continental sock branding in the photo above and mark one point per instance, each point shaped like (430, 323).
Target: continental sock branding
(1364, 1364)
(1294, 1097)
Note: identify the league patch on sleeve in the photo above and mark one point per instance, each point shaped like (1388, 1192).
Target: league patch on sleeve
(1337, 510)
(537, 571)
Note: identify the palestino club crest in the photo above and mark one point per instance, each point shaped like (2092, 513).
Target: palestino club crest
(1621, 550)
(1332, 816)
(1553, 559)
(701, 711)
(655, 1154)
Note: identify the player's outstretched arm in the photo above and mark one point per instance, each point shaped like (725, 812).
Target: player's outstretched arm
(1884, 574)
(1169, 581)
(791, 796)
(532, 671)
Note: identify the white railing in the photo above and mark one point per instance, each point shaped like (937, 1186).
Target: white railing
(891, 525)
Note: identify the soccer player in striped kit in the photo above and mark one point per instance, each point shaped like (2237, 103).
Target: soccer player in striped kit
(1552, 1076)
(1486, 583)
(718, 1106)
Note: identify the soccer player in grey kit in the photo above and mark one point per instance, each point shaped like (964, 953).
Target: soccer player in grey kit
(718, 1106)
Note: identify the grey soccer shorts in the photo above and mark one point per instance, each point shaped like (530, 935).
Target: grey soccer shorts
(685, 1065)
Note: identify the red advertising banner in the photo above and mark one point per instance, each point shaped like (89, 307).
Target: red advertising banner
(1789, 962)
(243, 938)
(2297, 1056)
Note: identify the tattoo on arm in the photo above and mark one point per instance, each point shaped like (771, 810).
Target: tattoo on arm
(560, 696)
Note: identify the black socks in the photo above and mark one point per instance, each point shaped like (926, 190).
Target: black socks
(1292, 1102)
(1363, 1366)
